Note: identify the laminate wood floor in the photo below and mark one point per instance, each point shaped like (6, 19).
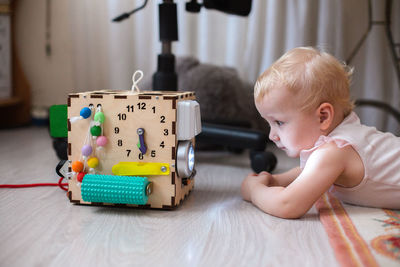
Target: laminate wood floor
(213, 227)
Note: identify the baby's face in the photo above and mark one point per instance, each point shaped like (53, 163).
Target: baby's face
(292, 130)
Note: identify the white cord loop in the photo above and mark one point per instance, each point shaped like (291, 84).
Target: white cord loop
(135, 88)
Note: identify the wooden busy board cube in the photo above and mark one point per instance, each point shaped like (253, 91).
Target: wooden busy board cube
(132, 148)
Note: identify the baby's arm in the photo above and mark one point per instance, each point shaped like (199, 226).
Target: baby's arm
(283, 179)
(286, 178)
(322, 169)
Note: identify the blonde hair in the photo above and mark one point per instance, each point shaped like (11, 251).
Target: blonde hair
(317, 76)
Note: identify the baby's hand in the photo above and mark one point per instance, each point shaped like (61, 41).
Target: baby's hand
(252, 180)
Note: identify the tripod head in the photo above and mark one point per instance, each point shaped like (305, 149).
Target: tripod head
(240, 8)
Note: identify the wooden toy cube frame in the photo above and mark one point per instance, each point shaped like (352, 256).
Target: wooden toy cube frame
(125, 112)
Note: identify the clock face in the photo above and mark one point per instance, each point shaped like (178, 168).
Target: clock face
(142, 130)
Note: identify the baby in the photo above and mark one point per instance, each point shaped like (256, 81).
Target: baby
(304, 96)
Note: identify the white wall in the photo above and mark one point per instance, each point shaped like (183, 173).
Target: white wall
(50, 77)
(89, 52)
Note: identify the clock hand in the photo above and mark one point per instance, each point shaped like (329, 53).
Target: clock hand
(141, 145)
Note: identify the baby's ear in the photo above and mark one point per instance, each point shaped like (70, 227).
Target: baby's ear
(326, 113)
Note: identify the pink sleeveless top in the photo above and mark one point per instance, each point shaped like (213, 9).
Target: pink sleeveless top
(380, 154)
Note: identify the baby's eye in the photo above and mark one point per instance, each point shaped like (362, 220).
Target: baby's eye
(279, 123)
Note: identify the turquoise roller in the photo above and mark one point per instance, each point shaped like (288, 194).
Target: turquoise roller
(115, 189)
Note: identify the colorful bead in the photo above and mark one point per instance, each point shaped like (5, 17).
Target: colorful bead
(95, 130)
(93, 162)
(80, 176)
(101, 140)
(87, 150)
(77, 166)
(85, 112)
(99, 116)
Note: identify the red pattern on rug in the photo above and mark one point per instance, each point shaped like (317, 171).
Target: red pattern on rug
(349, 247)
(389, 245)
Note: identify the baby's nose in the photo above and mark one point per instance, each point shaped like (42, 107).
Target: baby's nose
(273, 136)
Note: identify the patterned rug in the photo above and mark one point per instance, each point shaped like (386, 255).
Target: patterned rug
(361, 236)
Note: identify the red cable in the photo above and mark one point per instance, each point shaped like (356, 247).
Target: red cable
(61, 185)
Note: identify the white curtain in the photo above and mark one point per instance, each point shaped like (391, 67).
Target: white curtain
(105, 54)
